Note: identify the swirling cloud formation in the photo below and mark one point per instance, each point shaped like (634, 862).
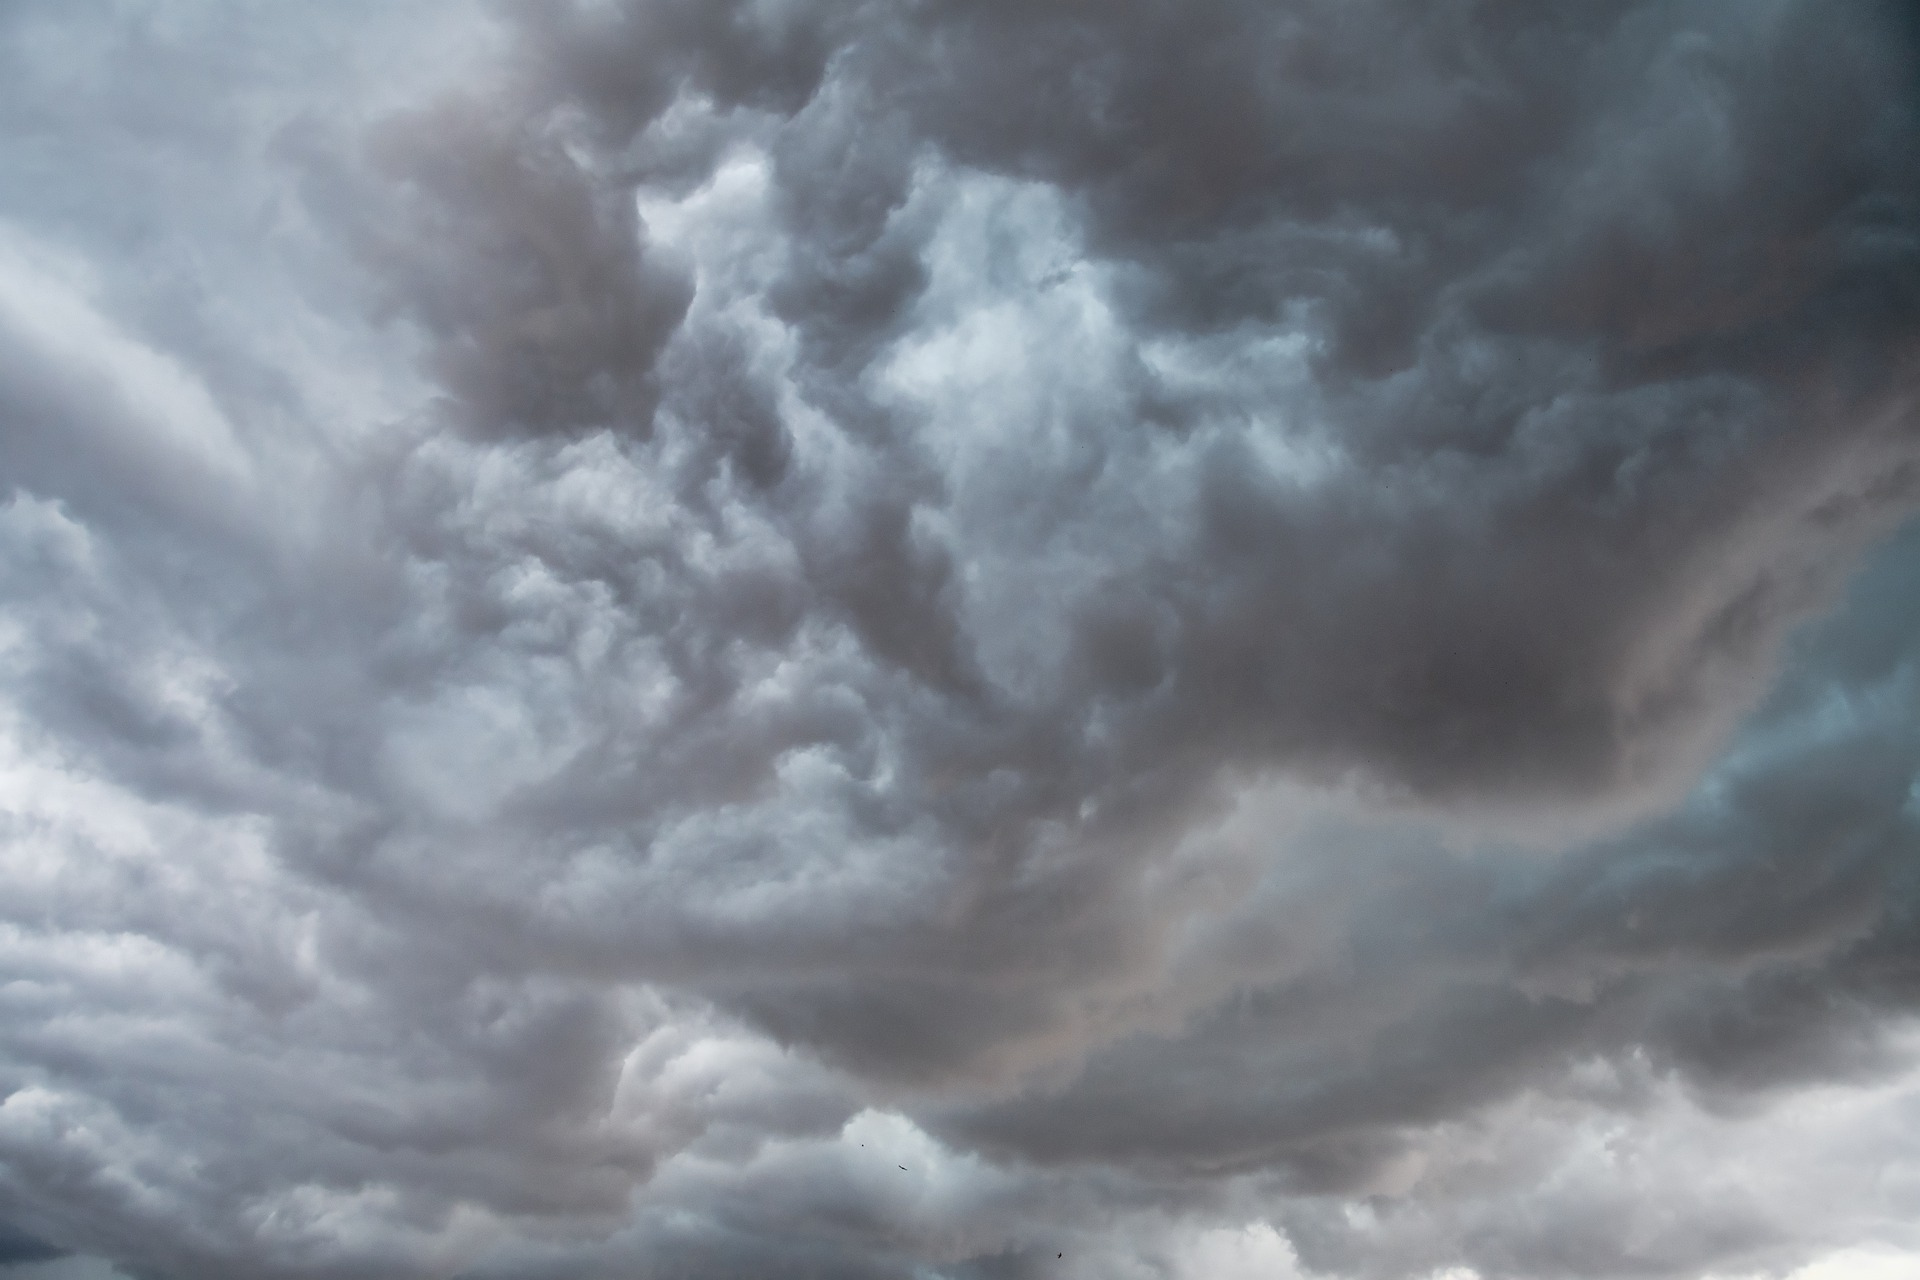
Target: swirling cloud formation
(960, 638)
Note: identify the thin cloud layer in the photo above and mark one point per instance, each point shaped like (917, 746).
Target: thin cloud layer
(977, 640)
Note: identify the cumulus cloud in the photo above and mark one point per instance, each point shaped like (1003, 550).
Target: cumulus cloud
(966, 639)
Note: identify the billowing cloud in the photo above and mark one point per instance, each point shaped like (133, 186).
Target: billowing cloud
(960, 639)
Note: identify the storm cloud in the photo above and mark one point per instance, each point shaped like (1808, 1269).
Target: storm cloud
(960, 638)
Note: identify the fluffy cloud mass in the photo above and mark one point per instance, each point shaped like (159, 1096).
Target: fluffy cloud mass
(960, 639)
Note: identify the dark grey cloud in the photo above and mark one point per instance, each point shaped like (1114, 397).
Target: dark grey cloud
(542, 307)
(959, 639)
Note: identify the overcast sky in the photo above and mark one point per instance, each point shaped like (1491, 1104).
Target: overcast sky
(960, 639)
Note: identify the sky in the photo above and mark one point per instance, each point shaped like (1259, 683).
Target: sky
(960, 640)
